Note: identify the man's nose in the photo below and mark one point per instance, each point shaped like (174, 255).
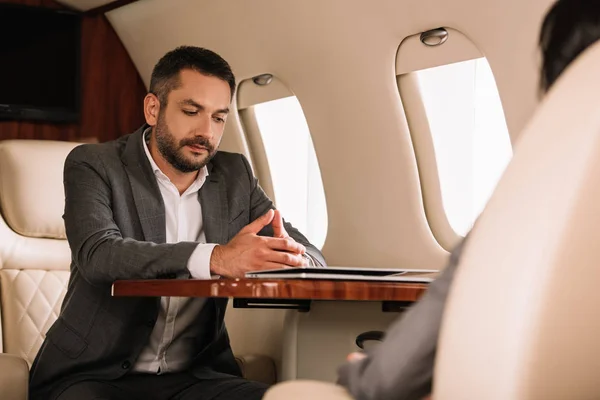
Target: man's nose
(204, 127)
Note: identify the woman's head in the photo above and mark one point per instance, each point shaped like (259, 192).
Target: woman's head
(569, 28)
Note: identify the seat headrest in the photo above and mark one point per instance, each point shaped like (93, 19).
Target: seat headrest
(32, 197)
(522, 316)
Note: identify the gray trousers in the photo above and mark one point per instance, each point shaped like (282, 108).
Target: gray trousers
(177, 386)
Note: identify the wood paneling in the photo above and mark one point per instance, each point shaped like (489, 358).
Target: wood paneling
(109, 7)
(112, 91)
(272, 289)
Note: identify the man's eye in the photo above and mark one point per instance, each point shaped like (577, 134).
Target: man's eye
(219, 119)
(190, 113)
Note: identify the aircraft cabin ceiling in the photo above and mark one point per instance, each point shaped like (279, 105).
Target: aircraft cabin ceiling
(339, 58)
(85, 5)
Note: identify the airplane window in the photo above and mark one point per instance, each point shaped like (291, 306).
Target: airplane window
(470, 137)
(293, 165)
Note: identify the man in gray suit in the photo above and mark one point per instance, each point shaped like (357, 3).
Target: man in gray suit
(161, 203)
(401, 368)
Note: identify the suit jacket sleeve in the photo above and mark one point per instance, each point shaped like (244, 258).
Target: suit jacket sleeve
(99, 251)
(260, 204)
(401, 367)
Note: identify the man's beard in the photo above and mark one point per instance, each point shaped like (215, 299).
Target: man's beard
(173, 151)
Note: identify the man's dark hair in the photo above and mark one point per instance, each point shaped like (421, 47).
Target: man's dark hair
(165, 75)
(569, 28)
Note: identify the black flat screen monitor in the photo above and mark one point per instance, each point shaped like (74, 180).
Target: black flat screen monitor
(39, 64)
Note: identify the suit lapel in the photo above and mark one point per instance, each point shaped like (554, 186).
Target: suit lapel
(146, 194)
(215, 218)
(213, 199)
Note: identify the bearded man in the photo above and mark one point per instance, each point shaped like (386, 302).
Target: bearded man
(161, 203)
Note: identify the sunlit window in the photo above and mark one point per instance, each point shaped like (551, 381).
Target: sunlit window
(294, 167)
(470, 137)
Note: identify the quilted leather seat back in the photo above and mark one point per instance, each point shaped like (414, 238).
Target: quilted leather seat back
(34, 255)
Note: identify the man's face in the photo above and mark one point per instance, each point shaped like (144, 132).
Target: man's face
(189, 129)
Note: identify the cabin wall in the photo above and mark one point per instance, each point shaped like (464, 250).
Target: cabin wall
(111, 89)
(338, 58)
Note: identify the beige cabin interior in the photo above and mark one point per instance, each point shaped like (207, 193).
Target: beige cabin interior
(351, 66)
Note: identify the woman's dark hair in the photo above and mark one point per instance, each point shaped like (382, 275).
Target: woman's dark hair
(569, 28)
(165, 75)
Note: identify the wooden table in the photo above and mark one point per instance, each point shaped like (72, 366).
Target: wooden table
(276, 293)
(339, 316)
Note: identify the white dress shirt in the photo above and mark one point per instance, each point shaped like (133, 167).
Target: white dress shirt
(178, 327)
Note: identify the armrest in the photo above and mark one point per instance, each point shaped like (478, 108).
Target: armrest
(257, 368)
(302, 390)
(14, 378)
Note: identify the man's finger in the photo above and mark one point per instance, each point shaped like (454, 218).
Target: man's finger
(285, 258)
(285, 244)
(278, 228)
(259, 223)
(271, 265)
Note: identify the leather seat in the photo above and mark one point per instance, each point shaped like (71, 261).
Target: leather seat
(522, 320)
(34, 255)
(35, 258)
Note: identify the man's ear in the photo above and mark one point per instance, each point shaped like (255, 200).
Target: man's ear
(151, 109)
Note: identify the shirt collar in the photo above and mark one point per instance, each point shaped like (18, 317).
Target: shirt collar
(196, 185)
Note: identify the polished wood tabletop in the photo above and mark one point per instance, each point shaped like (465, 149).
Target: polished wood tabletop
(272, 289)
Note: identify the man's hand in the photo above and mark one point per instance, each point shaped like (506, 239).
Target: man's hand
(280, 232)
(249, 252)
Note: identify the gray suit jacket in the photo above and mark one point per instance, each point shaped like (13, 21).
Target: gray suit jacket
(401, 368)
(115, 223)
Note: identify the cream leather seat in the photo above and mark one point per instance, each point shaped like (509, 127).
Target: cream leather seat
(523, 317)
(34, 264)
(34, 255)
(533, 263)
